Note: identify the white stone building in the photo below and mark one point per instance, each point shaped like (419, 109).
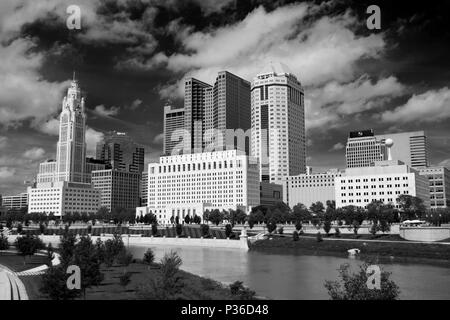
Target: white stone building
(310, 188)
(15, 202)
(192, 183)
(384, 181)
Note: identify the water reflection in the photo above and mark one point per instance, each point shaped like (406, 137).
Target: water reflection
(299, 277)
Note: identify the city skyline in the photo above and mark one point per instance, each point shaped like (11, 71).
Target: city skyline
(360, 91)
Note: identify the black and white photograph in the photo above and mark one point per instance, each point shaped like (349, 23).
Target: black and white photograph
(240, 152)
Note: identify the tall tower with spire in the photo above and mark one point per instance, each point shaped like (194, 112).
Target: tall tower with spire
(71, 147)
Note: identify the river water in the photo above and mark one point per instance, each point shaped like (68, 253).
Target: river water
(302, 277)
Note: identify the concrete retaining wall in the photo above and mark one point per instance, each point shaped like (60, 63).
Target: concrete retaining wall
(425, 233)
(242, 243)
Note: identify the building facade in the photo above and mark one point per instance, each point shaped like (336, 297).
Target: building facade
(278, 123)
(310, 188)
(118, 189)
(270, 193)
(71, 146)
(439, 182)
(15, 202)
(62, 185)
(173, 120)
(228, 108)
(195, 92)
(121, 152)
(363, 149)
(190, 184)
(385, 181)
(144, 189)
(61, 198)
(409, 147)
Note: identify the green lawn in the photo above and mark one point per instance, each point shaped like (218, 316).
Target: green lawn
(309, 245)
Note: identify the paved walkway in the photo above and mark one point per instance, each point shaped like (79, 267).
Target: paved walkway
(11, 287)
(376, 240)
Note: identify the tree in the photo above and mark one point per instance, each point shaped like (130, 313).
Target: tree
(241, 216)
(124, 257)
(125, 279)
(102, 214)
(4, 244)
(327, 226)
(238, 290)
(337, 232)
(42, 228)
(205, 230)
(112, 249)
(187, 219)
(100, 250)
(197, 219)
(317, 208)
(149, 257)
(374, 229)
(19, 228)
(228, 230)
(179, 229)
(154, 229)
(319, 237)
(295, 236)
(271, 226)
(355, 227)
(172, 219)
(298, 226)
(66, 247)
(412, 207)
(354, 286)
(86, 258)
(54, 284)
(28, 245)
(280, 230)
(216, 217)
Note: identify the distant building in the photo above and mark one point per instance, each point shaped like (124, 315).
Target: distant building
(121, 152)
(95, 165)
(270, 193)
(118, 189)
(194, 113)
(409, 147)
(278, 123)
(173, 120)
(310, 188)
(190, 184)
(363, 149)
(144, 189)
(384, 181)
(439, 182)
(15, 202)
(61, 185)
(63, 197)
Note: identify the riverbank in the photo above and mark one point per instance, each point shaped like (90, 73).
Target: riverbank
(435, 253)
(191, 286)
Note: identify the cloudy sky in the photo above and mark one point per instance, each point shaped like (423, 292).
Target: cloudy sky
(131, 56)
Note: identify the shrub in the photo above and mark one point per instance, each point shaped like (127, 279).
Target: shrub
(354, 286)
(280, 230)
(337, 232)
(295, 236)
(319, 237)
(298, 226)
(19, 228)
(42, 228)
(238, 290)
(89, 229)
(4, 244)
(205, 230)
(228, 230)
(125, 279)
(149, 257)
(327, 226)
(179, 229)
(124, 257)
(271, 226)
(154, 229)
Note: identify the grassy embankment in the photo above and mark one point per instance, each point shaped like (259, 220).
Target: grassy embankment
(193, 287)
(369, 248)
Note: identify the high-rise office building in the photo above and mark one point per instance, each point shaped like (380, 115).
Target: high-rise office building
(439, 181)
(118, 189)
(121, 152)
(62, 184)
(228, 106)
(173, 120)
(144, 189)
(409, 147)
(194, 113)
(71, 147)
(278, 123)
(363, 149)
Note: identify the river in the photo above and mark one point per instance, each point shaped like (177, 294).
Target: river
(299, 277)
